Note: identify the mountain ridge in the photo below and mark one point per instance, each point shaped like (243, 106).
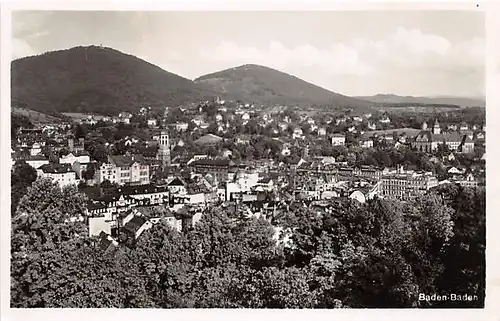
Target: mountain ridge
(438, 100)
(263, 84)
(94, 78)
(107, 81)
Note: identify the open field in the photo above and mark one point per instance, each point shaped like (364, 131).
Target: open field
(76, 116)
(407, 130)
(35, 117)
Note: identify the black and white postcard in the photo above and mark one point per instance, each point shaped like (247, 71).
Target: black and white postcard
(209, 158)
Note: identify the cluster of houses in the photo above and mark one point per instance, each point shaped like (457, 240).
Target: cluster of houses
(142, 199)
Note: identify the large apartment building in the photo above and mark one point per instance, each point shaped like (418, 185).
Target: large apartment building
(406, 185)
(218, 168)
(124, 169)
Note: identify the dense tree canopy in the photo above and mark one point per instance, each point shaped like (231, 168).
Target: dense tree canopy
(22, 177)
(379, 254)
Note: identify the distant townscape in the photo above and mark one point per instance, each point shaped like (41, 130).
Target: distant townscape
(220, 202)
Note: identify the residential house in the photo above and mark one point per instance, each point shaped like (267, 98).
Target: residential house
(152, 122)
(266, 184)
(34, 161)
(340, 120)
(283, 126)
(135, 226)
(177, 186)
(297, 133)
(245, 117)
(124, 117)
(106, 242)
(181, 126)
(76, 148)
(455, 171)
(35, 149)
(338, 140)
(321, 131)
(152, 194)
(366, 143)
(285, 150)
(385, 120)
(60, 173)
(467, 145)
(467, 181)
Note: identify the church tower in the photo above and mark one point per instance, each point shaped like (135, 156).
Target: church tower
(164, 150)
(437, 129)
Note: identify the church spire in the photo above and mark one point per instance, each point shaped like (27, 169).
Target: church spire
(437, 128)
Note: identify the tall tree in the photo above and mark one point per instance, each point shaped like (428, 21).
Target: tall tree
(23, 175)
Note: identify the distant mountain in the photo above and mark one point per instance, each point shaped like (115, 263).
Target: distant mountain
(394, 99)
(96, 79)
(263, 85)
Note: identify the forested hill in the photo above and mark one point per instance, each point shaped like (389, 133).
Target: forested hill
(96, 79)
(263, 85)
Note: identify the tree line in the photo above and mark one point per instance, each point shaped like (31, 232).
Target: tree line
(379, 254)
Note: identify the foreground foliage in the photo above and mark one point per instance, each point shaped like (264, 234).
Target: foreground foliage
(379, 254)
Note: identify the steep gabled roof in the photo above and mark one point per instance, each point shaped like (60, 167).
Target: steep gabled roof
(177, 181)
(126, 161)
(135, 224)
(56, 168)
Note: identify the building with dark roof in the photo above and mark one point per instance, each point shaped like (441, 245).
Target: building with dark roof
(135, 226)
(124, 169)
(60, 173)
(34, 161)
(218, 168)
(428, 141)
(153, 194)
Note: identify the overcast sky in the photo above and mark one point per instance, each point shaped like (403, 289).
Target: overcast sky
(418, 53)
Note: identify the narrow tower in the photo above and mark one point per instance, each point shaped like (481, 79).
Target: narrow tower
(437, 128)
(164, 150)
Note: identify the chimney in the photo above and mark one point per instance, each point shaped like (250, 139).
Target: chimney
(71, 144)
(82, 142)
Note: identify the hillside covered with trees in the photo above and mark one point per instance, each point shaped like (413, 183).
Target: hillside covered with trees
(102, 80)
(96, 79)
(263, 85)
(378, 254)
